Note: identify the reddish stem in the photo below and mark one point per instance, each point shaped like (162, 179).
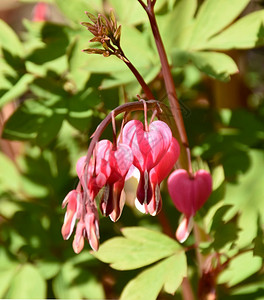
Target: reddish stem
(140, 79)
(169, 84)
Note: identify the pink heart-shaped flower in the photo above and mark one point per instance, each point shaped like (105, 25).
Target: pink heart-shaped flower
(148, 147)
(120, 160)
(159, 173)
(163, 168)
(189, 193)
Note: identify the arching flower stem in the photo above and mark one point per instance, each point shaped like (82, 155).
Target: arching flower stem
(127, 107)
(114, 130)
(169, 84)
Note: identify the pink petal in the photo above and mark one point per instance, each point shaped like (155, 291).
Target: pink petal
(40, 12)
(120, 160)
(189, 194)
(80, 166)
(71, 214)
(184, 229)
(148, 146)
(78, 241)
(92, 229)
(163, 168)
(203, 188)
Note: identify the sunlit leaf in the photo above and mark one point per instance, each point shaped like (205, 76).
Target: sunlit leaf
(259, 241)
(8, 268)
(246, 33)
(27, 284)
(240, 268)
(217, 65)
(17, 90)
(48, 268)
(179, 18)
(76, 281)
(74, 11)
(26, 121)
(123, 11)
(9, 40)
(247, 199)
(140, 247)
(9, 176)
(210, 20)
(148, 284)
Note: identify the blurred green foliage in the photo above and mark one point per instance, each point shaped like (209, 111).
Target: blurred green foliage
(61, 95)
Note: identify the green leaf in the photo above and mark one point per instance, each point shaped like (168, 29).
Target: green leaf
(27, 284)
(74, 10)
(259, 241)
(6, 277)
(10, 178)
(224, 233)
(49, 129)
(216, 65)
(179, 18)
(240, 268)
(246, 197)
(75, 281)
(9, 40)
(99, 64)
(8, 268)
(246, 33)
(253, 290)
(123, 11)
(49, 89)
(49, 268)
(8, 206)
(50, 41)
(140, 247)
(81, 108)
(210, 19)
(126, 78)
(19, 88)
(26, 121)
(147, 285)
(76, 61)
(137, 49)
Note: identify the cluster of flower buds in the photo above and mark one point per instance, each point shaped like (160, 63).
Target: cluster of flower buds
(153, 151)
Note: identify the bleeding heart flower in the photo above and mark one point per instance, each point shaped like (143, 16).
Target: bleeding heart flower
(120, 160)
(148, 148)
(72, 200)
(98, 170)
(188, 195)
(87, 228)
(158, 174)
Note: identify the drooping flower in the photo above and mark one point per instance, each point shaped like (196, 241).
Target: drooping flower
(188, 193)
(148, 148)
(95, 176)
(72, 200)
(157, 175)
(87, 228)
(107, 168)
(80, 203)
(120, 160)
